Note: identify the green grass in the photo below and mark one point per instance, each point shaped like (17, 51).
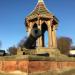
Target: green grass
(45, 73)
(37, 58)
(70, 72)
(5, 74)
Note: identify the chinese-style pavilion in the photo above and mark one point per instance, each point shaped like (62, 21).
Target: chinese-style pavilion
(41, 18)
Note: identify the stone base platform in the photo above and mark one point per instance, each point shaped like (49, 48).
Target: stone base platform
(51, 51)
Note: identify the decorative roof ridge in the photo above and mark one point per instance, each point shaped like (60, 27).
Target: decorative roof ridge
(40, 1)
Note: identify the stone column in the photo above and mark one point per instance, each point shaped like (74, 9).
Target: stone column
(43, 42)
(39, 41)
(49, 35)
(54, 37)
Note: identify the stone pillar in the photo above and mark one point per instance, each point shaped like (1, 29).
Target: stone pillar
(39, 41)
(49, 35)
(54, 40)
(43, 42)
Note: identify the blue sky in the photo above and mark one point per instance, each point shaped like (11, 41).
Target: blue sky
(13, 13)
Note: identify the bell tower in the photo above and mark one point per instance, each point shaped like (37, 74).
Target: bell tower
(42, 19)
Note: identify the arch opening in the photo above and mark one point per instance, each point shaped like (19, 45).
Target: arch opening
(44, 29)
(35, 25)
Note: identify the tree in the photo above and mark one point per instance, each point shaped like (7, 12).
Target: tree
(0, 44)
(12, 50)
(21, 43)
(64, 44)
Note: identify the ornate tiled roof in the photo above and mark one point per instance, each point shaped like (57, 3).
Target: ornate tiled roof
(40, 11)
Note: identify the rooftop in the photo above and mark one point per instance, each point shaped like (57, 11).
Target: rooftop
(40, 11)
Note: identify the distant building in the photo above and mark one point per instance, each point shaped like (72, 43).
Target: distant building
(2, 53)
(72, 53)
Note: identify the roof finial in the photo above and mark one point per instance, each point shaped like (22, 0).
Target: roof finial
(40, 1)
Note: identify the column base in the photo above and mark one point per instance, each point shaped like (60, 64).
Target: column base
(50, 51)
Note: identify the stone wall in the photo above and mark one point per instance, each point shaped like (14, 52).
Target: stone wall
(9, 66)
(34, 66)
